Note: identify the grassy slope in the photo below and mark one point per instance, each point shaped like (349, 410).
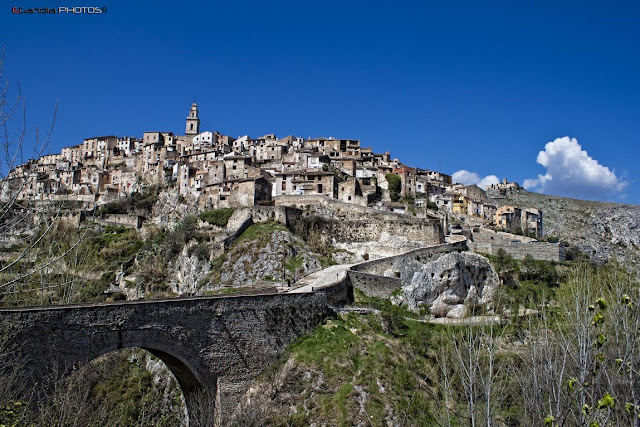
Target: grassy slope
(385, 367)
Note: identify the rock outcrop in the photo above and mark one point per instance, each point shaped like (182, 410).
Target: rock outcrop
(601, 230)
(451, 284)
(268, 261)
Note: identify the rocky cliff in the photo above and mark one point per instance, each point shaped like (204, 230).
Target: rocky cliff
(599, 229)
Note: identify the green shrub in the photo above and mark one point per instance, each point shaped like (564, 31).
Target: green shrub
(393, 320)
(119, 296)
(395, 184)
(201, 251)
(136, 203)
(219, 217)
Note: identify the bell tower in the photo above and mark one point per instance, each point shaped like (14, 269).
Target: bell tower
(193, 121)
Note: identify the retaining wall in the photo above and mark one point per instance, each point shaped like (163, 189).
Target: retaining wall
(396, 262)
(123, 220)
(337, 294)
(374, 286)
(379, 278)
(538, 250)
(346, 225)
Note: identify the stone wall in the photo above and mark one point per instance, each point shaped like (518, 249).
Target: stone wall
(538, 250)
(395, 263)
(122, 220)
(381, 277)
(328, 221)
(243, 218)
(338, 293)
(269, 213)
(484, 235)
(374, 286)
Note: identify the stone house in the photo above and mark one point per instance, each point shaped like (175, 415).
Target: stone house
(476, 193)
(532, 221)
(359, 191)
(70, 179)
(475, 207)
(504, 185)
(317, 161)
(366, 172)
(128, 145)
(336, 148)
(270, 151)
(73, 154)
(444, 202)
(306, 182)
(407, 180)
(92, 148)
(249, 192)
(422, 183)
(186, 179)
(459, 204)
(488, 212)
(237, 166)
(347, 166)
(435, 189)
(435, 176)
(509, 218)
(237, 192)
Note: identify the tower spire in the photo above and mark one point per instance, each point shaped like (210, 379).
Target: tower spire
(193, 121)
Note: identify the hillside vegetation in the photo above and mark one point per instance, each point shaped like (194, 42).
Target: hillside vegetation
(573, 364)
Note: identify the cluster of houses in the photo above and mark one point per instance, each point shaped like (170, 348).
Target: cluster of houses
(221, 171)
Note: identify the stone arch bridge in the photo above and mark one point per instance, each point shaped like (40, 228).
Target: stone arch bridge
(214, 346)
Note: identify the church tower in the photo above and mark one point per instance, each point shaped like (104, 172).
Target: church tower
(193, 121)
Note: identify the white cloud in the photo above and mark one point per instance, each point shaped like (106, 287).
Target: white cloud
(467, 178)
(572, 172)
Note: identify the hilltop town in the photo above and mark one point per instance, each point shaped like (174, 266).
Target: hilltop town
(219, 171)
(239, 252)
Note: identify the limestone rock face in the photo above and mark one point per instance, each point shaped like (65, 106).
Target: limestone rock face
(451, 284)
(601, 230)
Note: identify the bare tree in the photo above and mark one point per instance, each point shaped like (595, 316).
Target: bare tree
(580, 364)
(203, 408)
(471, 361)
(43, 257)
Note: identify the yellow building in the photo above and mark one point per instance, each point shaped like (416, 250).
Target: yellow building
(459, 204)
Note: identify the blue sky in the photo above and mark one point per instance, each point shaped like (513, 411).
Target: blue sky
(475, 86)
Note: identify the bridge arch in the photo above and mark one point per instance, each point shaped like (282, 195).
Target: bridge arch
(200, 396)
(186, 375)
